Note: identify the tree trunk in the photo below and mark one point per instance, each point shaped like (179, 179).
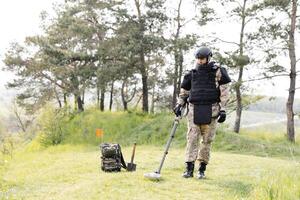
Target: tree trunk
(290, 102)
(123, 96)
(239, 108)
(79, 103)
(138, 101)
(152, 100)
(180, 65)
(175, 76)
(143, 68)
(75, 102)
(65, 99)
(145, 87)
(102, 97)
(239, 105)
(83, 96)
(111, 95)
(98, 97)
(57, 98)
(19, 120)
(177, 57)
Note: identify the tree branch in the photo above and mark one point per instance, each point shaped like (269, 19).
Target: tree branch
(268, 77)
(51, 80)
(187, 21)
(265, 77)
(229, 42)
(134, 91)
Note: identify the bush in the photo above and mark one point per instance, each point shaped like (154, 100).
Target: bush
(51, 123)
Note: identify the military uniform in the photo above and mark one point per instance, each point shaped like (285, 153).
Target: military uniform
(204, 131)
(206, 89)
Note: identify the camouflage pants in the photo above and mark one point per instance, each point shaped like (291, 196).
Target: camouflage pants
(204, 132)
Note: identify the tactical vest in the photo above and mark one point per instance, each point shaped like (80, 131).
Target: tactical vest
(112, 159)
(203, 86)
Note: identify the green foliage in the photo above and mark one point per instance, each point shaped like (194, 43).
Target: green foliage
(278, 4)
(121, 127)
(8, 146)
(205, 12)
(207, 15)
(127, 128)
(241, 60)
(52, 125)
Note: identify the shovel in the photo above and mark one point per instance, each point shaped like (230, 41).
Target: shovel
(131, 166)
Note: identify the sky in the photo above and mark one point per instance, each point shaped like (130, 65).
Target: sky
(19, 19)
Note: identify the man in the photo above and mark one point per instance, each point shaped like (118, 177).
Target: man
(206, 89)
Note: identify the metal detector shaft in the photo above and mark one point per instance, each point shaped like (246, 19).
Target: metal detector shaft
(172, 134)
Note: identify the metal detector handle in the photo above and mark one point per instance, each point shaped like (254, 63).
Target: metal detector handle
(176, 122)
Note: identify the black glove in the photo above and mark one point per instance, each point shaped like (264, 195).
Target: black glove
(222, 116)
(177, 110)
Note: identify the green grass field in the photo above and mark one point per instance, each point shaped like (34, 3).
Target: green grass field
(253, 165)
(73, 172)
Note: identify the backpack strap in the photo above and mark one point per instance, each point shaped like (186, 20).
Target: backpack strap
(122, 158)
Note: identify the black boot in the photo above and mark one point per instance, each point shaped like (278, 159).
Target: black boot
(189, 170)
(202, 168)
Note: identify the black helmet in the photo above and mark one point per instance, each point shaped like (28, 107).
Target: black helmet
(203, 52)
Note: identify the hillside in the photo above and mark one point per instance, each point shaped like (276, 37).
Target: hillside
(73, 172)
(246, 166)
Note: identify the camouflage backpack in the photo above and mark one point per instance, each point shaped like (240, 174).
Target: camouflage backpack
(111, 159)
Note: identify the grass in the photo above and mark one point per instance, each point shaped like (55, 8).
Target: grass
(243, 144)
(271, 133)
(253, 165)
(126, 128)
(73, 172)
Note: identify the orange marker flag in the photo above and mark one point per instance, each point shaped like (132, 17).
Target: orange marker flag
(99, 133)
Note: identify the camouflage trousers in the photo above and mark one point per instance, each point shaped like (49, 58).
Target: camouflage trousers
(196, 133)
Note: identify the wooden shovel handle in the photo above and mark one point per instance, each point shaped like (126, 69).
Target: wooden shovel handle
(133, 153)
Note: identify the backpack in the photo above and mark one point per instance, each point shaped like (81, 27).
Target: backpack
(111, 158)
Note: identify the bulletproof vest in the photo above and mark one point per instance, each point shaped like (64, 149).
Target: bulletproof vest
(203, 86)
(111, 159)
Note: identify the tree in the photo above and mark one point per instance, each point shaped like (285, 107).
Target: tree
(283, 31)
(244, 12)
(123, 52)
(178, 45)
(66, 56)
(151, 20)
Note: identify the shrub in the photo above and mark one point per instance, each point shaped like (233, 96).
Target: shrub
(51, 123)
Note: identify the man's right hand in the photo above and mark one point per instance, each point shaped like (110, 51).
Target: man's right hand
(222, 116)
(177, 110)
